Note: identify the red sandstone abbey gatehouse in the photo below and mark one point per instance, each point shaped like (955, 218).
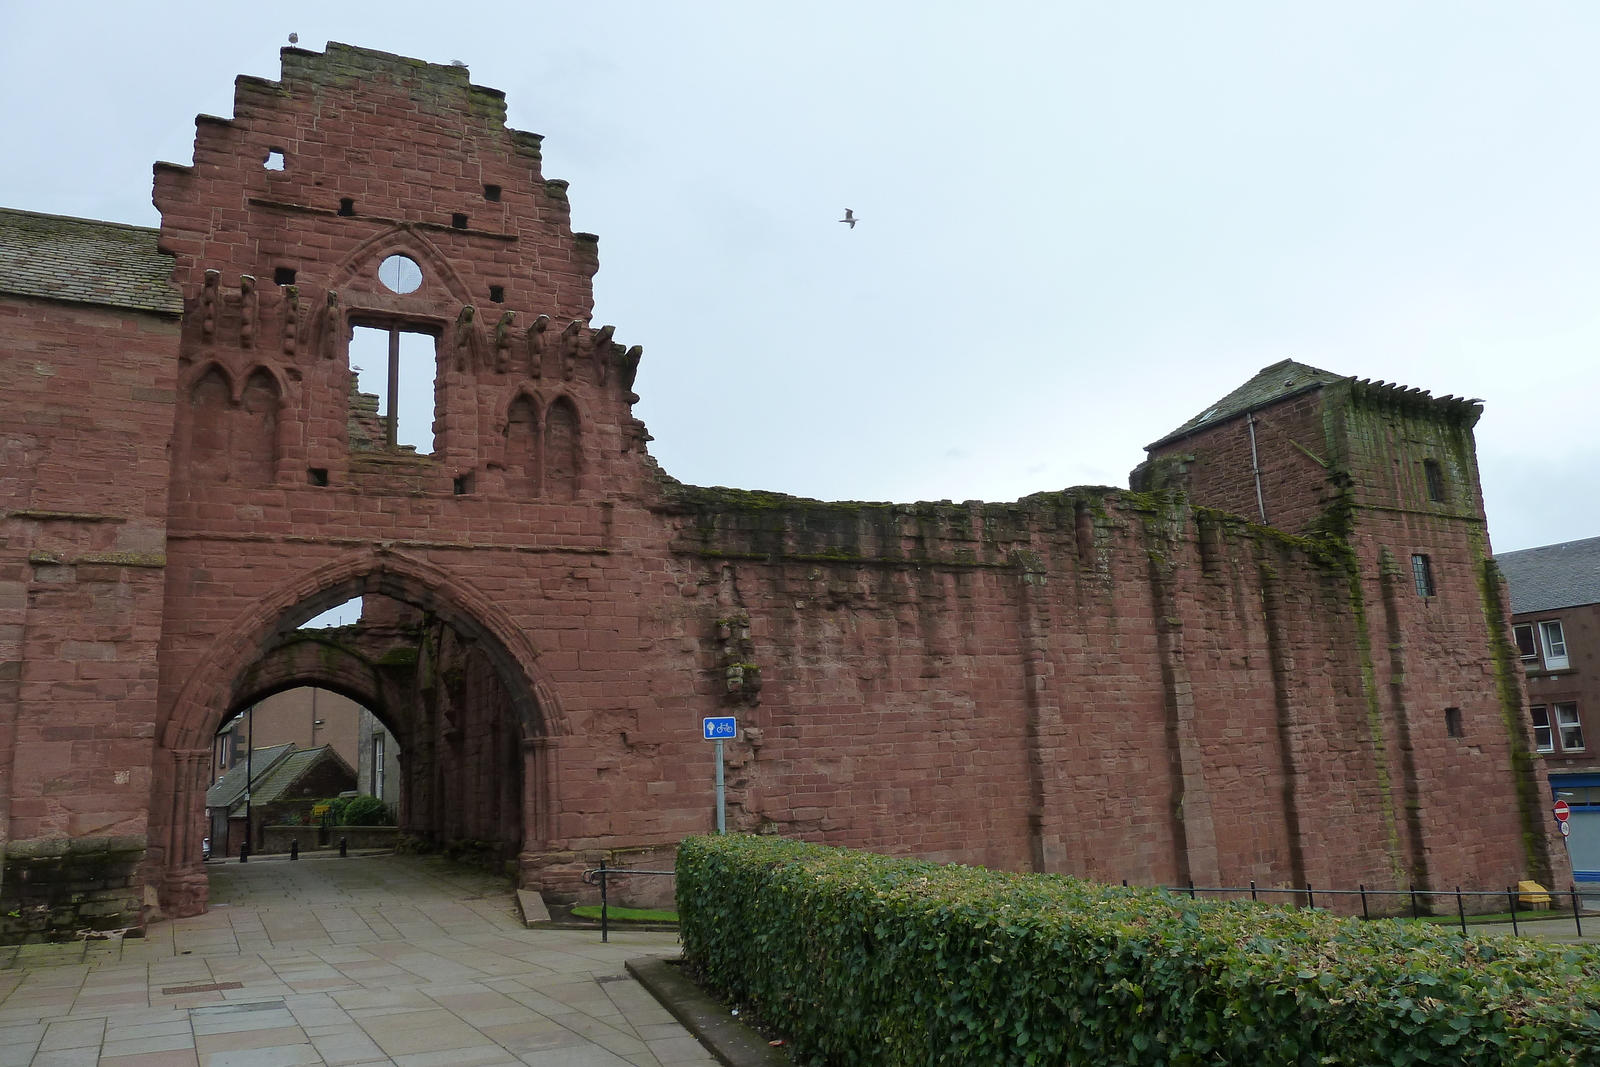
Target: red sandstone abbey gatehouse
(1282, 657)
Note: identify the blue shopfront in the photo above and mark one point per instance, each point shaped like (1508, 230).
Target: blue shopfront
(1582, 794)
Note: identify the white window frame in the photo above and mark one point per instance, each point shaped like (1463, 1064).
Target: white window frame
(1553, 639)
(1544, 737)
(1567, 719)
(1516, 631)
(379, 765)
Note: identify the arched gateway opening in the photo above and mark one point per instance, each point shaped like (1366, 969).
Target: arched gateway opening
(449, 678)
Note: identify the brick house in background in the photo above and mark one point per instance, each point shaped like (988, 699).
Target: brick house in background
(287, 783)
(1282, 657)
(1555, 606)
(309, 717)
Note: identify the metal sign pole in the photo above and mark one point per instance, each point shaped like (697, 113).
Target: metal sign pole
(717, 728)
(722, 817)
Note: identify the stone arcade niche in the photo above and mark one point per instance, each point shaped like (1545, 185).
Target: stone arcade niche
(542, 451)
(460, 766)
(234, 437)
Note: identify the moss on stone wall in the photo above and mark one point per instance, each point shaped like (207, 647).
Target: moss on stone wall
(59, 889)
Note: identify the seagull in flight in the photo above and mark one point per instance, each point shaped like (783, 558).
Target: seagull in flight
(850, 217)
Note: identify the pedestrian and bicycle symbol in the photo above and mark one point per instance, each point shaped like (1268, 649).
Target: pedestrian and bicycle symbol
(720, 728)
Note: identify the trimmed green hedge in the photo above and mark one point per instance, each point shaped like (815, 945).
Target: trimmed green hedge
(865, 959)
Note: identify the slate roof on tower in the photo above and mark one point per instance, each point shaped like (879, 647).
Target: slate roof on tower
(1283, 379)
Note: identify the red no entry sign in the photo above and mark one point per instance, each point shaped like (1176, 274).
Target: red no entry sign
(1563, 813)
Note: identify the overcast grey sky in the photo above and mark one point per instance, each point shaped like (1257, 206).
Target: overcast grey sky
(1080, 222)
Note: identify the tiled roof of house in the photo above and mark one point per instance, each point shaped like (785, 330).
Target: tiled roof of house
(1554, 576)
(230, 787)
(85, 262)
(1271, 384)
(283, 776)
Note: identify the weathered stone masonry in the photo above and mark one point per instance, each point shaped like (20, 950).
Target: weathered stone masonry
(1155, 685)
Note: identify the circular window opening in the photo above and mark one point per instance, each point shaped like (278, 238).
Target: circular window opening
(400, 274)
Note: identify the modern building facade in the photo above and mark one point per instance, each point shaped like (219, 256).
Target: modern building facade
(1555, 604)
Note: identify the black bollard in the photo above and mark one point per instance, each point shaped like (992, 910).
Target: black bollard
(244, 852)
(294, 848)
(344, 847)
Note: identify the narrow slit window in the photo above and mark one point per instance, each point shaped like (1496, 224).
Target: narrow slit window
(378, 766)
(1422, 573)
(1555, 646)
(400, 368)
(1452, 723)
(1435, 477)
(1543, 737)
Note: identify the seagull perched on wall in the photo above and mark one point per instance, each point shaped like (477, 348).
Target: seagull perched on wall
(850, 217)
(294, 38)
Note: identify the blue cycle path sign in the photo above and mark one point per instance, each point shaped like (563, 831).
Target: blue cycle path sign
(720, 728)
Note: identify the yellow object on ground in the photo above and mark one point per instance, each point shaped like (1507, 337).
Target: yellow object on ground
(1532, 893)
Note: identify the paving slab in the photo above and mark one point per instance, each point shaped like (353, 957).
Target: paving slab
(398, 960)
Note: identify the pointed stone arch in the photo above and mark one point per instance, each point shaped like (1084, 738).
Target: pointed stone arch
(521, 450)
(406, 240)
(312, 660)
(197, 711)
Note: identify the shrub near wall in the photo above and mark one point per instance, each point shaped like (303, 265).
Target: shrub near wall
(866, 959)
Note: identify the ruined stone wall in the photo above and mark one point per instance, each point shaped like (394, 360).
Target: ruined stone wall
(1420, 651)
(1108, 683)
(83, 480)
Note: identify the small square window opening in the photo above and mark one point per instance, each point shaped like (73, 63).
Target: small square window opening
(274, 160)
(317, 476)
(1435, 477)
(497, 293)
(458, 221)
(1422, 574)
(1452, 723)
(347, 207)
(283, 276)
(463, 484)
(491, 193)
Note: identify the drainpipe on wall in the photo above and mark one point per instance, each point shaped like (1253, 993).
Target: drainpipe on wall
(1255, 468)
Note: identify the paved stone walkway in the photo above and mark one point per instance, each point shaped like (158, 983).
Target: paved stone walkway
(377, 960)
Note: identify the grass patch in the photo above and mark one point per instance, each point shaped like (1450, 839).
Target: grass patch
(628, 915)
(1529, 916)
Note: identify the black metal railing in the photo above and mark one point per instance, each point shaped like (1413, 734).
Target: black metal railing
(1417, 898)
(599, 875)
